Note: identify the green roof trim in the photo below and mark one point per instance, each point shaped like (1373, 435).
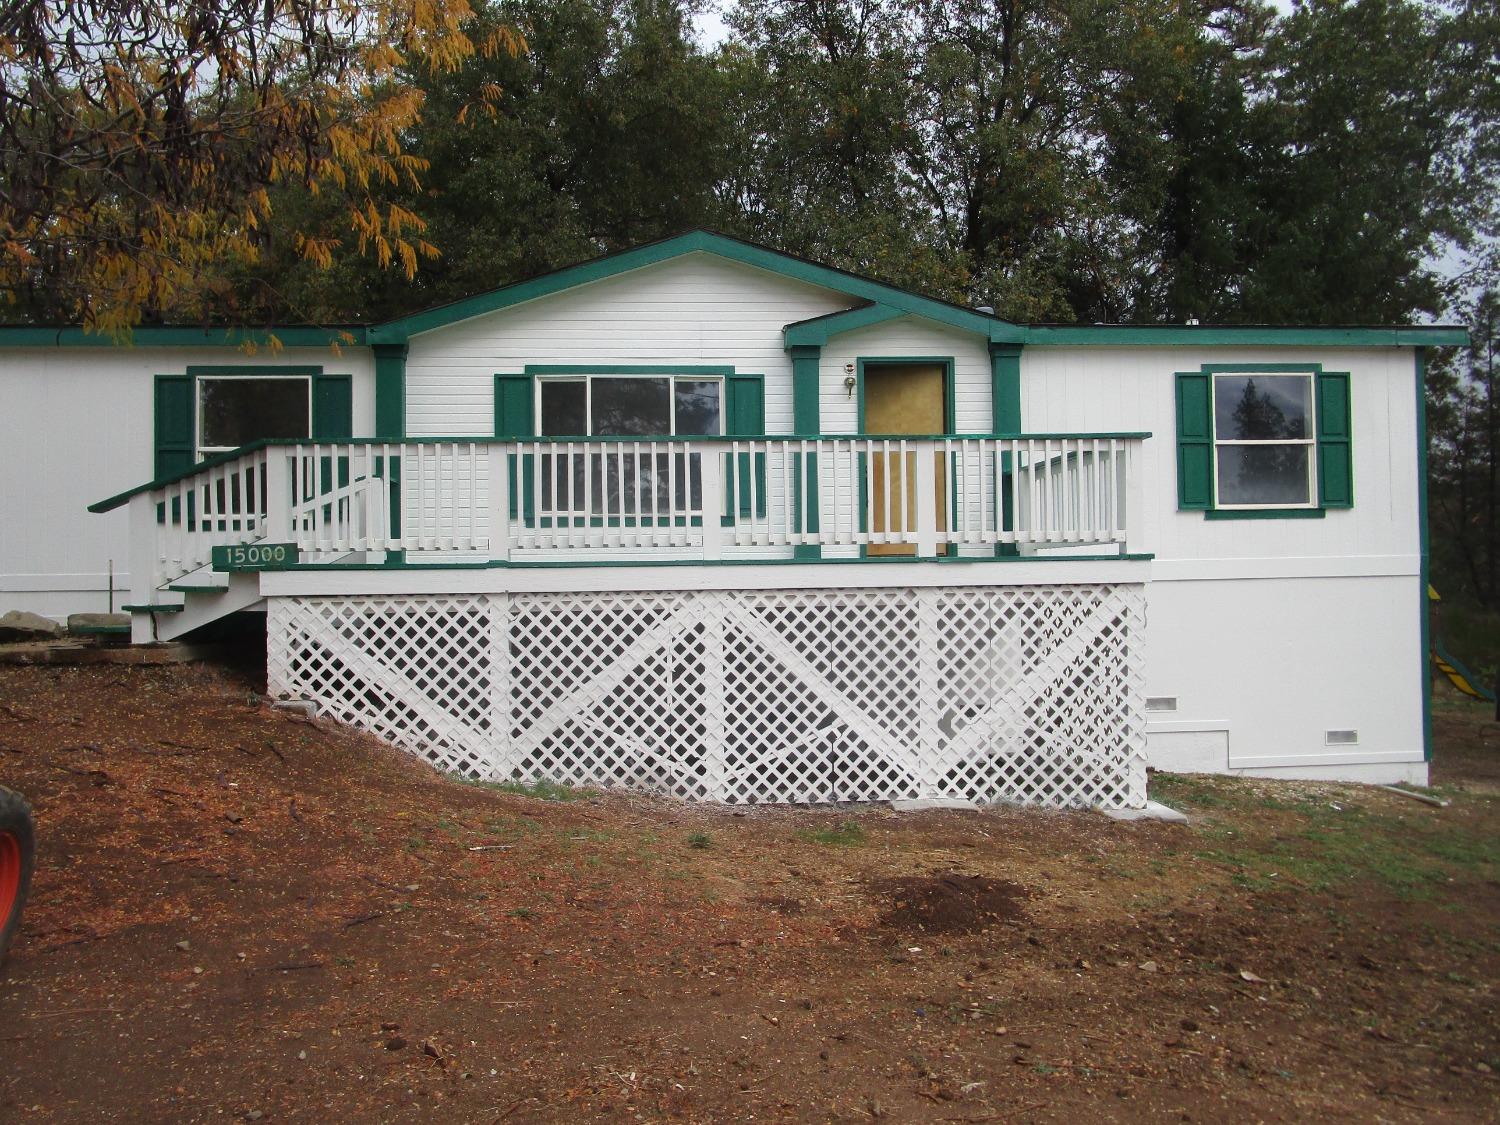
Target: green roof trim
(697, 241)
(820, 329)
(1245, 335)
(291, 336)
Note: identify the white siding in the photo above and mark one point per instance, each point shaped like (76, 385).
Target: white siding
(76, 427)
(1269, 666)
(1270, 632)
(1134, 389)
(695, 310)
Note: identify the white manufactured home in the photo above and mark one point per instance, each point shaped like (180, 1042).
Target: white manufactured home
(711, 520)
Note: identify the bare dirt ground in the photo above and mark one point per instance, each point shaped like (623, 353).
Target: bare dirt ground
(241, 915)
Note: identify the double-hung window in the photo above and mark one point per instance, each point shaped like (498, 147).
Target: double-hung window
(608, 478)
(1263, 440)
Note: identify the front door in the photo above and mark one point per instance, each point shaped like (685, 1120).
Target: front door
(903, 398)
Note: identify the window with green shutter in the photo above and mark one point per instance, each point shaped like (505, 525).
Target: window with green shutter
(1263, 441)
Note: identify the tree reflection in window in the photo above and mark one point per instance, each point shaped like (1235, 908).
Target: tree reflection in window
(1262, 428)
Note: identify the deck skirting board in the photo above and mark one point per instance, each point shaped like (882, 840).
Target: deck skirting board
(1026, 694)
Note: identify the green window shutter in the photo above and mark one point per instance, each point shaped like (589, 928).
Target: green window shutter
(332, 408)
(513, 407)
(1335, 432)
(176, 444)
(1195, 441)
(515, 417)
(745, 416)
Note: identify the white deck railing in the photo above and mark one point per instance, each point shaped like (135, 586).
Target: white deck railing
(691, 498)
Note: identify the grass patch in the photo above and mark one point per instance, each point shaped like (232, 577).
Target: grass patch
(847, 834)
(543, 789)
(699, 840)
(1315, 846)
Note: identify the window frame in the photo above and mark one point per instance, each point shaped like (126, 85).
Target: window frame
(1310, 442)
(202, 452)
(587, 379)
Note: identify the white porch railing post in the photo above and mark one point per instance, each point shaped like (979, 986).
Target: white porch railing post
(711, 483)
(1133, 516)
(143, 556)
(926, 488)
(499, 499)
(278, 499)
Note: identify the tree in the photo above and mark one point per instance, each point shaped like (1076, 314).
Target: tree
(141, 141)
(1464, 463)
(610, 130)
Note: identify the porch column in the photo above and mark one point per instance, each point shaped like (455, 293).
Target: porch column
(1005, 418)
(807, 420)
(390, 424)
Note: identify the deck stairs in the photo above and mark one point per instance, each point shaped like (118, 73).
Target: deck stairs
(193, 601)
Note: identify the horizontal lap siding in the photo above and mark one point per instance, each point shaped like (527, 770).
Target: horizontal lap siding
(696, 310)
(1083, 389)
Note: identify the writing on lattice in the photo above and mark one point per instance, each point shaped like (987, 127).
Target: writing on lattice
(1030, 693)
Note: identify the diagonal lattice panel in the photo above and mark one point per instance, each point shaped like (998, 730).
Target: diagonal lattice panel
(1029, 694)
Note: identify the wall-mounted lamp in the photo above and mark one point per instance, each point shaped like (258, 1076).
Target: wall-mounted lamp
(849, 385)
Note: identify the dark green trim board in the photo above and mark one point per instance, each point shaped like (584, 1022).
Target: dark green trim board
(807, 418)
(1236, 335)
(697, 241)
(1005, 418)
(390, 390)
(820, 329)
(1005, 388)
(288, 336)
(1264, 514)
(626, 369)
(1419, 366)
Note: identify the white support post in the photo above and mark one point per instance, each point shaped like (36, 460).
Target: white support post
(926, 486)
(1133, 516)
(503, 762)
(278, 499)
(499, 500)
(715, 764)
(143, 556)
(711, 483)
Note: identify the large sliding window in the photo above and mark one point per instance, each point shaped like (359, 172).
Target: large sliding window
(630, 406)
(623, 479)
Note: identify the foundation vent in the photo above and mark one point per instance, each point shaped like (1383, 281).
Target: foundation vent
(1340, 737)
(1161, 703)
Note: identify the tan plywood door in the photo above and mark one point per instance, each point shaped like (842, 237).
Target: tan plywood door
(903, 398)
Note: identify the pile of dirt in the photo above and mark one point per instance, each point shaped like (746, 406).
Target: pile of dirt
(949, 902)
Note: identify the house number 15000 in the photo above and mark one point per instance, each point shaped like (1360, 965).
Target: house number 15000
(254, 556)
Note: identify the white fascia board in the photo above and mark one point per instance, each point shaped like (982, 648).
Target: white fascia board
(1372, 757)
(1185, 726)
(1331, 566)
(750, 576)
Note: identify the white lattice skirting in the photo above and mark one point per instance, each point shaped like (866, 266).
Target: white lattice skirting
(1014, 693)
